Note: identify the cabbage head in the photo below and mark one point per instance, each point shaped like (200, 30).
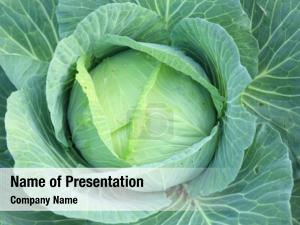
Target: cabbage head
(212, 86)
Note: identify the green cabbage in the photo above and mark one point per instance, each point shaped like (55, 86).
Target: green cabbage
(150, 111)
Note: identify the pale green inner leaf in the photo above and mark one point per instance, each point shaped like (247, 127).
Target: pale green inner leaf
(139, 106)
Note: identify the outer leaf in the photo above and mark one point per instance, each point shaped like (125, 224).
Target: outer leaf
(275, 93)
(228, 14)
(28, 36)
(221, 57)
(30, 135)
(259, 195)
(6, 89)
(121, 19)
